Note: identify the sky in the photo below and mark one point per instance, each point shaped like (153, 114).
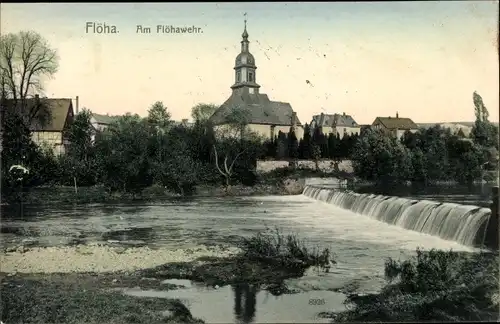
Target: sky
(422, 60)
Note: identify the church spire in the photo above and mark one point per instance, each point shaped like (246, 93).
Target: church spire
(245, 78)
(245, 42)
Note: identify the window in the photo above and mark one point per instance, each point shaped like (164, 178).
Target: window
(250, 76)
(238, 76)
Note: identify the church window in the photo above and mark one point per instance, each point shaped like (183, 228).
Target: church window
(238, 76)
(250, 76)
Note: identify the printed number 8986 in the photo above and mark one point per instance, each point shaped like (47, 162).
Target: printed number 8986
(316, 301)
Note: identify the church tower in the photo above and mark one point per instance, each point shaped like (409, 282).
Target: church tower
(245, 77)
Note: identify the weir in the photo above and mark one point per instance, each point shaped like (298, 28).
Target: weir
(465, 224)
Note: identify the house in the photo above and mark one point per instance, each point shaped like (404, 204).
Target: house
(101, 122)
(184, 122)
(262, 115)
(338, 124)
(58, 115)
(395, 125)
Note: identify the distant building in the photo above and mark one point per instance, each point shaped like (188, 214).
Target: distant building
(101, 122)
(265, 117)
(338, 124)
(364, 128)
(453, 127)
(183, 122)
(53, 131)
(395, 125)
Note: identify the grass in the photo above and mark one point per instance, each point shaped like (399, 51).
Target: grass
(51, 301)
(272, 246)
(433, 286)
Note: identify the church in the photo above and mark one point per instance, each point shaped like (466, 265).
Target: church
(263, 116)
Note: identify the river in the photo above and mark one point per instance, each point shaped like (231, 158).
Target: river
(361, 244)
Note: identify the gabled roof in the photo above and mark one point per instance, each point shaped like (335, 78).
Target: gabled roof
(396, 123)
(104, 119)
(58, 108)
(328, 120)
(261, 110)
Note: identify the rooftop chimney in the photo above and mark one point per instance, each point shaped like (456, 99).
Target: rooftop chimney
(294, 119)
(397, 114)
(76, 105)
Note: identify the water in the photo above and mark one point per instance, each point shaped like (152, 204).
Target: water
(476, 194)
(246, 303)
(464, 224)
(361, 244)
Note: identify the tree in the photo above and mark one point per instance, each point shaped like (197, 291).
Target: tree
(237, 121)
(123, 150)
(281, 146)
(319, 139)
(202, 112)
(79, 164)
(480, 110)
(293, 147)
(26, 59)
(485, 134)
(305, 143)
(461, 133)
(158, 116)
(381, 158)
(179, 168)
(316, 155)
(227, 170)
(80, 135)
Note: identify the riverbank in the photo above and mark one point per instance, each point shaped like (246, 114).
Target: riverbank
(98, 194)
(67, 286)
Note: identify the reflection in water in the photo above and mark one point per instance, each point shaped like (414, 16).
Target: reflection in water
(249, 294)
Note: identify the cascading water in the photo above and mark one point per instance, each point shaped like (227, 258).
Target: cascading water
(460, 223)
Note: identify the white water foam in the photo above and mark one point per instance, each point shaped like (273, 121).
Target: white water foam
(454, 222)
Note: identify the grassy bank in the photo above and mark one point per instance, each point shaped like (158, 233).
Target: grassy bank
(45, 300)
(433, 286)
(96, 194)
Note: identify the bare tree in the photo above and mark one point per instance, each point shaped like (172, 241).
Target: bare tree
(228, 170)
(26, 59)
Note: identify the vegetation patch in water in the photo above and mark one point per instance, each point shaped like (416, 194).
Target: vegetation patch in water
(266, 258)
(433, 286)
(289, 251)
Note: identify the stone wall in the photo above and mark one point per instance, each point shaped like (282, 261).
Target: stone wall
(324, 165)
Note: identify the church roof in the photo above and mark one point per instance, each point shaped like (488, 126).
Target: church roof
(261, 110)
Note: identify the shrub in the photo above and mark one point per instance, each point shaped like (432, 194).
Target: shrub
(434, 285)
(286, 250)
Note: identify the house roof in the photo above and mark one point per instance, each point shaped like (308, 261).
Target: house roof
(104, 119)
(329, 120)
(58, 108)
(261, 109)
(396, 123)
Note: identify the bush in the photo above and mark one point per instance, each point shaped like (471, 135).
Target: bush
(434, 285)
(286, 250)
